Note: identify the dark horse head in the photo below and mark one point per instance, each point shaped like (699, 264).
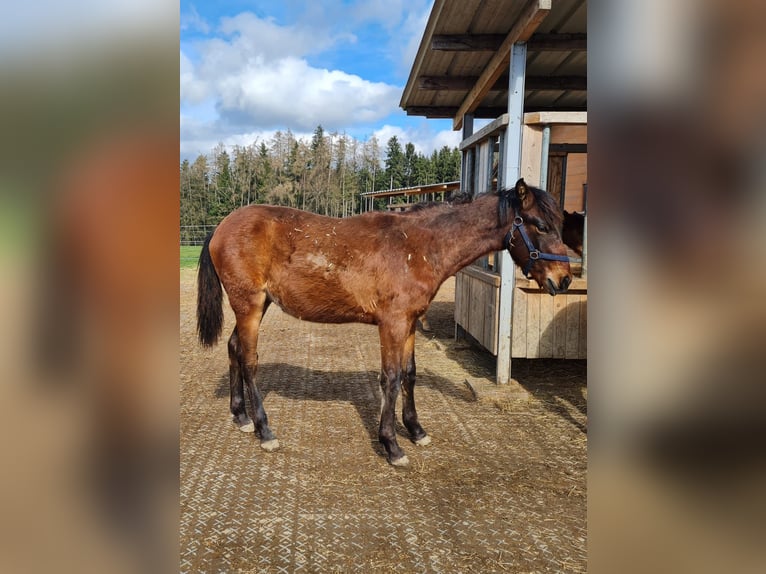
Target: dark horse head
(534, 238)
(573, 231)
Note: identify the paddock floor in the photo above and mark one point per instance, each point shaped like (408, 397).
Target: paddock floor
(502, 487)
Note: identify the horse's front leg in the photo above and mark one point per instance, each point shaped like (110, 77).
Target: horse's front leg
(392, 342)
(409, 413)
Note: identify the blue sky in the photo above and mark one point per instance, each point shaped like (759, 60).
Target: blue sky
(249, 69)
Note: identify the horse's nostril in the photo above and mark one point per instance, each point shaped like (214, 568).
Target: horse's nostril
(566, 282)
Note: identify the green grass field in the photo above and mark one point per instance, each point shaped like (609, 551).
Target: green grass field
(189, 255)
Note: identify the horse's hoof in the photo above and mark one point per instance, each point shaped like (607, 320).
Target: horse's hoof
(249, 426)
(270, 445)
(401, 461)
(425, 441)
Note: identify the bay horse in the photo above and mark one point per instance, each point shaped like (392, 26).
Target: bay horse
(377, 268)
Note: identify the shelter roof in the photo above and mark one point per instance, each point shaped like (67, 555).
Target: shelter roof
(462, 63)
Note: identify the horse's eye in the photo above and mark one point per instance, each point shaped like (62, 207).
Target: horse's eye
(541, 228)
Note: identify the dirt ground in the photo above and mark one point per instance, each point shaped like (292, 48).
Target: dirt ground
(502, 487)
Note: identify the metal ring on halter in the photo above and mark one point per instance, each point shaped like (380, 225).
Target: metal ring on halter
(518, 221)
(534, 254)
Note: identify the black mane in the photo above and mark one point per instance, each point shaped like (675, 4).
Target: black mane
(549, 208)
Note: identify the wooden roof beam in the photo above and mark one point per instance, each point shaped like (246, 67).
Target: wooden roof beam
(533, 13)
(444, 112)
(456, 83)
(492, 42)
(482, 112)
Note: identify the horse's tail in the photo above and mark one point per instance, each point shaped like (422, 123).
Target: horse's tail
(209, 299)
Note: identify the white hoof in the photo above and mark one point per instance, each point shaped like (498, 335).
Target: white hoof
(248, 427)
(425, 441)
(270, 445)
(403, 461)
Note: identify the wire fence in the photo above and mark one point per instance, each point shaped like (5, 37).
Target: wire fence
(195, 234)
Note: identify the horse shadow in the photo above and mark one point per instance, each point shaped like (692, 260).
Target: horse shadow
(560, 385)
(361, 389)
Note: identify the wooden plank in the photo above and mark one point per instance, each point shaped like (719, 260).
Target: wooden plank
(556, 118)
(444, 112)
(490, 318)
(555, 176)
(485, 165)
(490, 129)
(519, 345)
(492, 42)
(495, 318)
(531, 16)
(467, 42)
(461, 314)
(531, 156)
(482, 275)
(459, 83)
(558, 43)
(533, 325)
(573, 326)
(476, 318)
(559, 326)
(546, 326)
(583, 345)
(569, 134)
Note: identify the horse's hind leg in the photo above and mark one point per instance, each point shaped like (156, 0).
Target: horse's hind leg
(236, 386)
(248, 325)
(393, 341)
(409, 413)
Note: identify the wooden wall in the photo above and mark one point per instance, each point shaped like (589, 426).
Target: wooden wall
(477, 296)
(549, 327)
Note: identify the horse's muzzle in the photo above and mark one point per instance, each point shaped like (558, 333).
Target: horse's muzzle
(553, 289)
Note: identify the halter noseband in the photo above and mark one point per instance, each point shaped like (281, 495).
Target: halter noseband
(534, 253)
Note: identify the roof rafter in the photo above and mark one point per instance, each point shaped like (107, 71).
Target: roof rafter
(492, 42)
(531, 16)
(531, 82)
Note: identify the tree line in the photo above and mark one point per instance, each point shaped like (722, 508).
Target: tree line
(324, 175)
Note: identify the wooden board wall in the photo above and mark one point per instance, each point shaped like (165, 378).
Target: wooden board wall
(549, 327)
(477, 308)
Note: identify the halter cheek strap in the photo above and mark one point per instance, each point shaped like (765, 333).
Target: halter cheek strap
(534, 254)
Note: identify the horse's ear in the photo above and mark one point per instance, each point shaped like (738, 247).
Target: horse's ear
(522, 192)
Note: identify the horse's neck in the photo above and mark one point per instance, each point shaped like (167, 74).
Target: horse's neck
(467, 232)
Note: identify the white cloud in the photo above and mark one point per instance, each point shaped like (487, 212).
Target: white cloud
(191, 20)
(425, 140)
(254, 36)
(253, 77)
(258, 79)
(290, 92)
(192, 89)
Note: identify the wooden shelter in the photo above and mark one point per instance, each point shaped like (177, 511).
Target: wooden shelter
(522, 63)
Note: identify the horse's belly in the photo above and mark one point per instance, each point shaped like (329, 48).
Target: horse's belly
(322, 298)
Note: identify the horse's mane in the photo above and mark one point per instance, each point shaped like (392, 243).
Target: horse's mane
(549, 208)
(456, 199)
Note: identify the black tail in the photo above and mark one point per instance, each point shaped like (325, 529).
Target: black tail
(209, 299)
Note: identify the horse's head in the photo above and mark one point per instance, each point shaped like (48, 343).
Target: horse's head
(573, 230)
(534, 222)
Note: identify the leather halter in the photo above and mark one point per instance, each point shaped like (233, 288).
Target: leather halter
(534, 253)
